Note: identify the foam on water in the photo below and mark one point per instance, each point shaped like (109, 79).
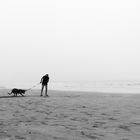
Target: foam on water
(99, 86)
(93, 86)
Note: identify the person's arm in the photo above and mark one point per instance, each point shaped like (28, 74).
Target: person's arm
(48, 79)
(41, 80)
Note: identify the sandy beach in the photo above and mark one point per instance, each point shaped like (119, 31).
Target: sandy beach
(69, 115)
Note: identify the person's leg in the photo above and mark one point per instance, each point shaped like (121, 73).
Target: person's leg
(42, 89)
(46, 89)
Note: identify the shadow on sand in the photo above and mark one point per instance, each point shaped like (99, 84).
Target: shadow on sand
(6, 96)
(11, 96)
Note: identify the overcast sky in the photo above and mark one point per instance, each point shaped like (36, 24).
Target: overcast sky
(76, 40)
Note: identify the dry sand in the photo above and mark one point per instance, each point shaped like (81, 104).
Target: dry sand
(69, 115)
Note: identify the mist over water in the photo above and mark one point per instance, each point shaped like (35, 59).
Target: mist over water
(70, 40)
(106, 86)
(98, 86)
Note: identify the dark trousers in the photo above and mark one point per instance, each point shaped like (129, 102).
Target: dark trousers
(46, 89)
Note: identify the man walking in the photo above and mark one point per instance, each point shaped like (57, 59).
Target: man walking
(44, 81)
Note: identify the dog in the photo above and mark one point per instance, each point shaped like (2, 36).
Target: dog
(16, 91)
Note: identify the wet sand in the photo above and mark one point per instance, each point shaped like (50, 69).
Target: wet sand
(67, 115)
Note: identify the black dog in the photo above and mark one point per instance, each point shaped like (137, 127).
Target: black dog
(16, 91)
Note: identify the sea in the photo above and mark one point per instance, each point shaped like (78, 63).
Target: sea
(131, 86)
(98, 86)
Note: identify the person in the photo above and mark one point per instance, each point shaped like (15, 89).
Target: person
(44, 81)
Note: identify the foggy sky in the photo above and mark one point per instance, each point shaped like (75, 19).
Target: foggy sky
(75, 40)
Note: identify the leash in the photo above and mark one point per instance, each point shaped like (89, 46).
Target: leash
(33, 86)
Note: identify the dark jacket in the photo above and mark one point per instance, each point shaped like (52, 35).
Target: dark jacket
(45, 80)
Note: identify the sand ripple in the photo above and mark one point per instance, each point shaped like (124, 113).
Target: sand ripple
(70, 117)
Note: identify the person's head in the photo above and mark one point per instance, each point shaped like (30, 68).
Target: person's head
(47, 74)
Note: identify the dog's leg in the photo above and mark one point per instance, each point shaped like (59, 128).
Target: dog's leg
(21, 94)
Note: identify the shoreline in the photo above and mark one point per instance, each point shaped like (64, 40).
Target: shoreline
(36, 92)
